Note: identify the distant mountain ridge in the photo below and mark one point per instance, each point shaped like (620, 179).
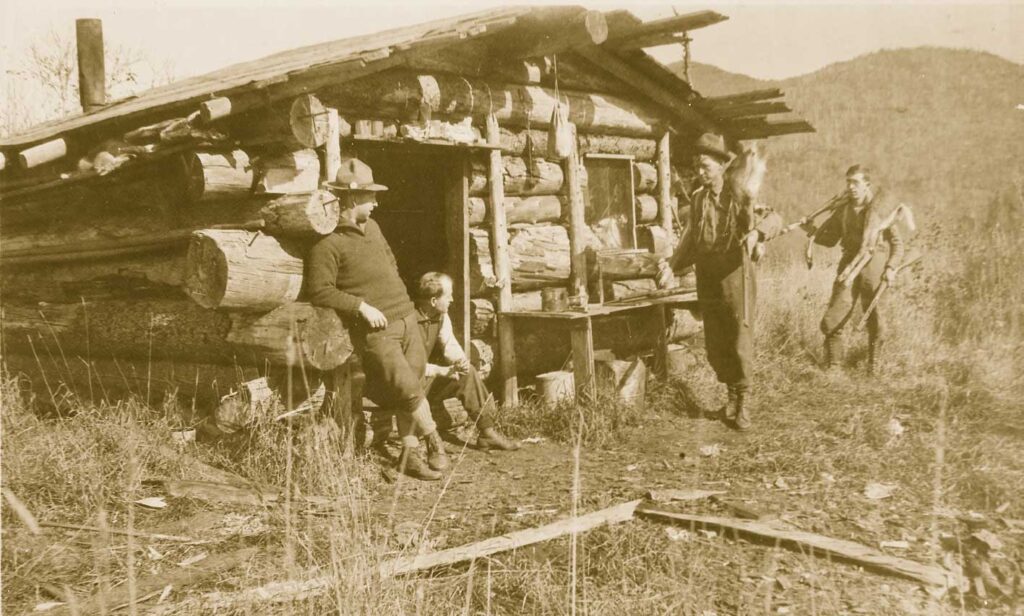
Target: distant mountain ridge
(939, 126)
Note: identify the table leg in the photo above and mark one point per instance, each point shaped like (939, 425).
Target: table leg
(583, 360)
(507, 361)
(661, 341)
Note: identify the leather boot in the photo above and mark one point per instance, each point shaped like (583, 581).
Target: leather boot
(437, 458)
(743, 422)
(411, 463)
(492, 439)
(833, 351)
(874, 352)
(728, 411)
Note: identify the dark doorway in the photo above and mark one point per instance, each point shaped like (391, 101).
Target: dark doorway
(411, 213)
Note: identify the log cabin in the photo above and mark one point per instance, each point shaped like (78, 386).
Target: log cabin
(155, 244)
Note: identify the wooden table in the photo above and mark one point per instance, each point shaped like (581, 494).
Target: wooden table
(581, 333)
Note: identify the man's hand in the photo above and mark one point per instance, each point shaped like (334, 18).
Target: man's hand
(807, 226)
(458, 369)
(889, 275)
(665, 278)
(373, 317)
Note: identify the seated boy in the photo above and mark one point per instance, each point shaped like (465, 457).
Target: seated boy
(448, 372)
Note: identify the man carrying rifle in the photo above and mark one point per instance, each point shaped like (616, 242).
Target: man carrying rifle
(857, 224)
(721, 240)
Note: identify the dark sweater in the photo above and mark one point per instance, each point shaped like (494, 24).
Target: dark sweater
(353, 265)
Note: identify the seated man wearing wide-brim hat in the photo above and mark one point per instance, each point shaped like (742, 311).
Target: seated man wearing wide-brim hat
(354, 272)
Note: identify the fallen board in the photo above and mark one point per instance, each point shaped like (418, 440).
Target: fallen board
(819, 545)
(296, 590)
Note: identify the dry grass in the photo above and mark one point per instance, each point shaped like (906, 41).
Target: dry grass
(952, 380)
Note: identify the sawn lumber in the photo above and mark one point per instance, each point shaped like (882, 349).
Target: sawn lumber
(819, 545)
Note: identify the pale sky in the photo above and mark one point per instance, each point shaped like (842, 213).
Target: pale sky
(761, 39)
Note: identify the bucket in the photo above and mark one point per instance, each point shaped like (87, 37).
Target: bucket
(554, 299)
(557, 386)
(628, 378)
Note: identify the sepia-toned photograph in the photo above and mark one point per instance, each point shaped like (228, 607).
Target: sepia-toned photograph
(439, 307)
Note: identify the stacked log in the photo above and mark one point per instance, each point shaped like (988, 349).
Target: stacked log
(407, 95)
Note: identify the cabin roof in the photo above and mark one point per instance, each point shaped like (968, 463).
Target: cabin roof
(302, 69)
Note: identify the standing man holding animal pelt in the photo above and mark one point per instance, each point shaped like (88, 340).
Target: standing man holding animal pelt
(867, 226)
(354, 272)
(723, 239)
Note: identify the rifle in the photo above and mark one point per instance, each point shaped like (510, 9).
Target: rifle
(830, 206)
(903, 214)
(915, 257)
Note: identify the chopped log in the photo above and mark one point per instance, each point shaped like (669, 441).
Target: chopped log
(178, 329)
(215, 109)
(539, 257)
(60, 380)
(401, 94)
(819, 545)
(623, 264)
(554, 30)
(645, 177)
(217, 175)
(308, 119)
(302, 214)
(293, 172)
(43, 153)
(476, 211)
(295, 334)
(481, 355)
(241, 270)
(540, 177)
(154, 272)
(654, 239)
(520, 210)
(615, 514)
(646, 209)
(519, 142)
(481, 317)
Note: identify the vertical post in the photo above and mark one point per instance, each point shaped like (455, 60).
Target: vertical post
(457, 234)
(502, 267)
(665, 188)
(92, 85)
(577, 225)
(583, 359)
(661, 340)
(332, 147)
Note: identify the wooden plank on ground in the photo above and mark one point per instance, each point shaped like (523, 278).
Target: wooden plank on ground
(622, 512)
(818, 545)
(295, 590)
(675, 495)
